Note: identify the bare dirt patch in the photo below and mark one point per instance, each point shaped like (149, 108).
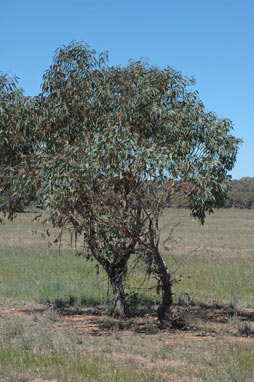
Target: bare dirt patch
(201, 321)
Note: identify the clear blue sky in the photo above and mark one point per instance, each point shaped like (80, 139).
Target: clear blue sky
(212, 40)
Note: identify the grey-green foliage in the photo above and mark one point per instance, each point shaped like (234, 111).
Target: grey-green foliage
(106, 139)
(17, 142)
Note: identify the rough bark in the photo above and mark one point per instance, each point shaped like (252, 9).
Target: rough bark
(166, 285)
(161, 271)
(118, 297)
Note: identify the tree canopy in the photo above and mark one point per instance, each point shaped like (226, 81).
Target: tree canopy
(17, 143)
(107, 146)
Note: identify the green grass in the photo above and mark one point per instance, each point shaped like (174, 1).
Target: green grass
(217, 266)
(219, 256)
(37, 275)
(224, 282)
(231, 363)
(32, 350)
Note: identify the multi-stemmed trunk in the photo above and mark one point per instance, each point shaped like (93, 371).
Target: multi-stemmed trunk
(116, 276)
(116, 270)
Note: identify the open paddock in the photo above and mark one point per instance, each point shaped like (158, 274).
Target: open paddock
(54, 318)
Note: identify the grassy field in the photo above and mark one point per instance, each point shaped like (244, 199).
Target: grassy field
(54, 316)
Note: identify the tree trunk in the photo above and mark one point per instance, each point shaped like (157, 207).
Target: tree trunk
(116, 272)
(166, 285)
(118, 296)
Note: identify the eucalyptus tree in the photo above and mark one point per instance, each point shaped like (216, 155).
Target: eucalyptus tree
(17, 118)
(114, 144)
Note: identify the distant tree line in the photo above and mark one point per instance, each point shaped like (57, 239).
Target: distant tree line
(240, 195)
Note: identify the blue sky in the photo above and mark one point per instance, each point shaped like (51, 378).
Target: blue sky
(213, 40)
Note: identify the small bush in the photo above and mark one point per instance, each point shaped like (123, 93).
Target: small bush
(246, 329)
(178, 319)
